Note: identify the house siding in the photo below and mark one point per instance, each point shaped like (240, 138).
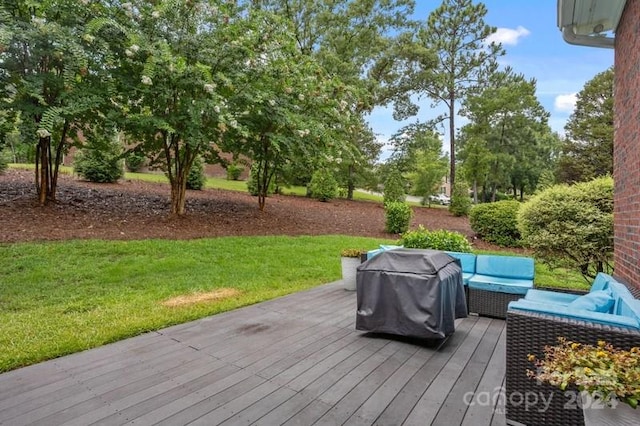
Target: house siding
(626, 158)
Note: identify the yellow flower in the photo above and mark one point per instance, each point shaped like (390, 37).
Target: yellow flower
(587, 370)
(531, 357)
(601, 354)
(575, 345)
(601, 343)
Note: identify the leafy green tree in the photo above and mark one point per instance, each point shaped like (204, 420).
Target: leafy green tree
(418, 154)
(476, 160)
(295, 111)
(587, 150)
(457, 33)
(48, 61)
(174, 66)
(508, 138)
(353, 41)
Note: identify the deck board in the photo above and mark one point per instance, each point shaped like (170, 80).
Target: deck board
(296, 360)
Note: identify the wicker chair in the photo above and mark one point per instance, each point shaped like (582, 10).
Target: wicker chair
(528, 333)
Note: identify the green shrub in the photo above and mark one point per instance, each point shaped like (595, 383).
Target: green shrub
(196, 177)
(394, 188)
(398, 216)
(134, 161)
(571, 226)
(323, 185)
(460, 200)
(100, 160)
(497, 222)
(441, 239)
(234, 170)
(252, 182)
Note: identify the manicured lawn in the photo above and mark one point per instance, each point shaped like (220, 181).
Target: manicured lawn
(63, 297)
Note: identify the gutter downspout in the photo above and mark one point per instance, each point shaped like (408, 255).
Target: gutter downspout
(583, 40)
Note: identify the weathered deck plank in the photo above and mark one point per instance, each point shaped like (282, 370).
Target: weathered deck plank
(296, 360)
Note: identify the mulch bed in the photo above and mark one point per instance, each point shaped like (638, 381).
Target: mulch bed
(131, 210)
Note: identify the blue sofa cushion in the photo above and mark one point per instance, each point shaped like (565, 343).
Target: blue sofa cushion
(543, 296)
(467, 260)
(517, 267)
(629, 308)
(466, 276)
(620, 293)
(580, 314)
(595, 301)
(500, 284)
(601, 282)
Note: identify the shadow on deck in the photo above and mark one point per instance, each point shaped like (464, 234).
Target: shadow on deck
(296, 360)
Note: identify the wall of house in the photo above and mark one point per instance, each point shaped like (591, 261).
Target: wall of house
(626, 158)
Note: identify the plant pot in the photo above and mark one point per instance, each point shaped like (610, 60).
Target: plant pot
(597, 413)
(349, 269)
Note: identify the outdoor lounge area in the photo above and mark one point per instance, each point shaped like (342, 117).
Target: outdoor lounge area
(292, 360)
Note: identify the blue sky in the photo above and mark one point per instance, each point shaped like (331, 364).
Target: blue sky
(534, 47)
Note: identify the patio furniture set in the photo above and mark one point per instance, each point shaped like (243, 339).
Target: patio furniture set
(502, 287)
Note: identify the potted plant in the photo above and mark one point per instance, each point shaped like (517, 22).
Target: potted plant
(350, 259)
(608, 378)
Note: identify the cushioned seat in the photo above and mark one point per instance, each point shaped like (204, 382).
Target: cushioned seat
(579, 314)
(499, 280)
(466, 276)
(601, 282)
(555, 297)
(500, 284)
(467, 262)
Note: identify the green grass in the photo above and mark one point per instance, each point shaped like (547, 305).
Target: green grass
(63, 297)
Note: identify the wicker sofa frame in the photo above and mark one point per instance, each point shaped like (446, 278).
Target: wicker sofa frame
(528, 333)
(490, 303)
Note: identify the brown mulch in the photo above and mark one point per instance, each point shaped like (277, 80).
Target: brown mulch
(131, 210)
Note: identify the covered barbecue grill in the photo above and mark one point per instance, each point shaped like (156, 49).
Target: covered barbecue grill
(410, 292)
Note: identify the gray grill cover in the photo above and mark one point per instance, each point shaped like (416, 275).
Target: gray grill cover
(410, 292)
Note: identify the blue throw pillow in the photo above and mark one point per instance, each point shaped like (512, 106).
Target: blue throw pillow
(596, 301)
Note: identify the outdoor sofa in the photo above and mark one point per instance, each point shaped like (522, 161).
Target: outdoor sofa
(537, 320)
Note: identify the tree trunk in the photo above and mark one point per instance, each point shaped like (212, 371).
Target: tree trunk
(475, 191)
(350, 185)
(179, 194)
(452, 140)
(43, 174)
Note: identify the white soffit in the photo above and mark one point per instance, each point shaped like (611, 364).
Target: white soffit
(588, 17)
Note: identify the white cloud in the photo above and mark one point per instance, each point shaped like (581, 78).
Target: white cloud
(508, 36)
(566, 102)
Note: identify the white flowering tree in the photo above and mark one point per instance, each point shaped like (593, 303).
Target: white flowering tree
(174, 68)
(290, 109)
(45, 78)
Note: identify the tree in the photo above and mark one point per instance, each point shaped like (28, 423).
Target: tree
(173, 69)
(475, 158)
(508, 139)
(352, 40)
(457, 33)
(296, 112)
(48, 62)
(587, 151)
(418, 153)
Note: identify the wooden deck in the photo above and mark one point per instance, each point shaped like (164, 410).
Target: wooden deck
(297, 360)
